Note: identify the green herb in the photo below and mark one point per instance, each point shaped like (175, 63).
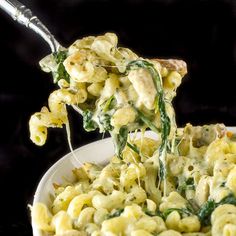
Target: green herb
(223, 184)
(208, 207)
(60, 56)
(230, 199)
(120, 140)
(155, 213)
(190, 181)
(61, 72)
(88, 123)
(115, 214)
(147, 121)
(161, 170)
(160, 105)
(109, 104)
(133, 147)
(182, 212)
(205, 212)
(187, 185)
(149, 213)
(105, 121)
(105, 116)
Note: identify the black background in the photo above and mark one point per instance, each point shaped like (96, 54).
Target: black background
(200, 32)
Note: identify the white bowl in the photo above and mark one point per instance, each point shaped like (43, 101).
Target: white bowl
(99, 152)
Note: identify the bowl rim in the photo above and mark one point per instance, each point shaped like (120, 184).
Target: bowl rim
(51, 169)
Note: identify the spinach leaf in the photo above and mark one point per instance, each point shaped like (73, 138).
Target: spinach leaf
(120, 140)
(133, 147)
(230, 199)
(182, 212)
(109, 104)
(205, 212)
(147, 121)
(190, 181)
(162, 172)
(160, 105)
(105, 121)
(61, 72)
(88, 123)
(60, 56)
(155, 213)
(209, 206)
(187, 185)
(149, 213)
(106, 114)
(223, 184)
(115, 214)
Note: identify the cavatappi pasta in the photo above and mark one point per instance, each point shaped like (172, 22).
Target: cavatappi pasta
(114, 89)
(123, 197)
(184, 183)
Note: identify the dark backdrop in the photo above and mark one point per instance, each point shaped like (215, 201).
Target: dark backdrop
(200, 32)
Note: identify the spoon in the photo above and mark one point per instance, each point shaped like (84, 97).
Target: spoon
(24, 16)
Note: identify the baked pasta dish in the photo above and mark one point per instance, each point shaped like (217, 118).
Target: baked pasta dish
(183, 183)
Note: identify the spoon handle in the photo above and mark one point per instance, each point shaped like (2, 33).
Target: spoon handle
(24, 16)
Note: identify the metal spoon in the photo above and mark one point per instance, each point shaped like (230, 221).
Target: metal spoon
(24, 16)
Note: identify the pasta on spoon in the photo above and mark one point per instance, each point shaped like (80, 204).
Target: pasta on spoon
(113, 89)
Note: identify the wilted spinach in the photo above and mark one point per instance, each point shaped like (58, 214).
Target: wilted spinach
(208, 207)
(147, 121)
(133, 147)
(187, 185)
(109, 104)
(120, 140)
(182, 212)
(88, 123)
(160, 105)
(205, 212)
(105, 121)
(115, 214)
(61, 72)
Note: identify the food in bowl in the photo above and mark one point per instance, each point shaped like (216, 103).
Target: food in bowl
(123, 197)
(181, 184)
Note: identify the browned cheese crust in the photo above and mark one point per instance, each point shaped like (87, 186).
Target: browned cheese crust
(173, 64)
